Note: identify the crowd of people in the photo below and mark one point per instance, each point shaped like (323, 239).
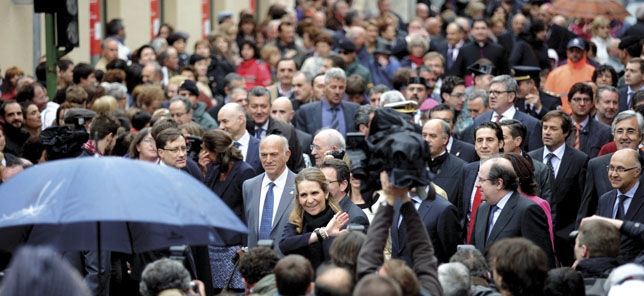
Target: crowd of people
(481, 148)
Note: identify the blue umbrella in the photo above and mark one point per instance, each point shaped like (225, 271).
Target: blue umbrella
(111, 204)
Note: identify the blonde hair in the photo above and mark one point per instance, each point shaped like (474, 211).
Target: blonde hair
(314, 175)
(598, 22)
(105, 104)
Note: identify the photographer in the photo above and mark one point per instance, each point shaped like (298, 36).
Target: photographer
(166, 277)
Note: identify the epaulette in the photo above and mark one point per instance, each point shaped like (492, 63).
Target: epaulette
(551, 94)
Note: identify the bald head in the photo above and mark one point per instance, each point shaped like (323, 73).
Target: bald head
(334, 281)
(282, 110)
(518, 23)
(232, 118)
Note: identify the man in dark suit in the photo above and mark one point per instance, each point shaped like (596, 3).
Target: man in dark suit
(480, 48)
(634, 80)
(332, 111)
(282, 110)
(530, 99)
(628, 127)
(513, 133)
(626, 200)
(268, 197)
(507, 39)
(568, 167)
(503, 90)
(447, 167)
(489, 142)
(259, 108)
(464, 151)
(454, 34)
(232, 118)
(338, 176)
(506, 213)
(588, 135)
(440, 219)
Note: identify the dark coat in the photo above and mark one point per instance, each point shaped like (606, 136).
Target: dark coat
(356, 215)
(464, 151)
(630, 247)
(449, 177)
(566, 198)
(533, 136)
(548, 103)
(520, 217)
(276, 127)
(309, 117)
(471, 52)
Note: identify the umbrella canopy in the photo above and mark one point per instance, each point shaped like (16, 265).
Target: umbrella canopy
(112, 204)
(589, 9)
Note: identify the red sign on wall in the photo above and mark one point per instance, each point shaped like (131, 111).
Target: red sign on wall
(205, 18)
(95, 27)
(155, 19)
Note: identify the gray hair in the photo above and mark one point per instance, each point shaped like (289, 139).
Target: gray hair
(230, 77)
(114, 89)
(626, 115)
(479, 93)
(259, 91)
(333, 137)
(392, 96)
(507, 80)
(603, 89)
(157, 68)
(238, 90)
(378, 89)
(455, 279)
(362, 115)
(157, 43)
(308, 78)
(164, 274)
(186, 102)
(334, 73)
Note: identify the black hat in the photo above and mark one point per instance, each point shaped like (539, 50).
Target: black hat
(190, 86)
(195, 58)
(382, 49)
(346, 45)
(628, 41)
(482, 69)
(78, 115)
(417, 80)
(176, 36)
(522, 73)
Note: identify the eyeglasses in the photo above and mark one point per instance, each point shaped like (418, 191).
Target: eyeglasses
(148, 140)
(458, 95)
(315, 147)
(619, 170)
(176, 149)
(496, 93)
(578, 99)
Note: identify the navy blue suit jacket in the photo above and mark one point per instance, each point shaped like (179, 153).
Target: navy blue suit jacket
(252, 156)
(593, 136)
(470, 173)
(630, 247)
(449, 177)
(533, 136)
(309, 117)
(623, 99)
(440, 218)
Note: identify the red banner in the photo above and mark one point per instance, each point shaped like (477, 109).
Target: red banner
(205, 18)
(95, 27)
(155, 19)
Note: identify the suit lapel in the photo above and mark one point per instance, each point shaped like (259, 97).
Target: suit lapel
(565, 164)
(482, 214)
(288, 196)
(504, 217)
(636, 204)
(254, 203)
(396, 239)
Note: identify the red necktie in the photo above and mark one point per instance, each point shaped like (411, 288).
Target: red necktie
(578, 129)
(475, 206)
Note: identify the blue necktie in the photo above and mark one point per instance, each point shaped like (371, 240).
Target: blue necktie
(236, 144)
(266, 224)
(490, 221)
(450, 57)
(620, 207)
(258, 132)
(335, 122)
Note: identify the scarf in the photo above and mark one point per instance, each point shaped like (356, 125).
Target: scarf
(416, 60)
(91, 148)
(310, 223)
(436, 163)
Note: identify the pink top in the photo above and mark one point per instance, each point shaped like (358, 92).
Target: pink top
(546, 208)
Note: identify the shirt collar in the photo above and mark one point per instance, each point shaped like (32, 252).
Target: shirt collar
(244, 139)
(279, 182)
(583, 123)
(559, 152)
(504, 200)
(507, 114)
(631, 192)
